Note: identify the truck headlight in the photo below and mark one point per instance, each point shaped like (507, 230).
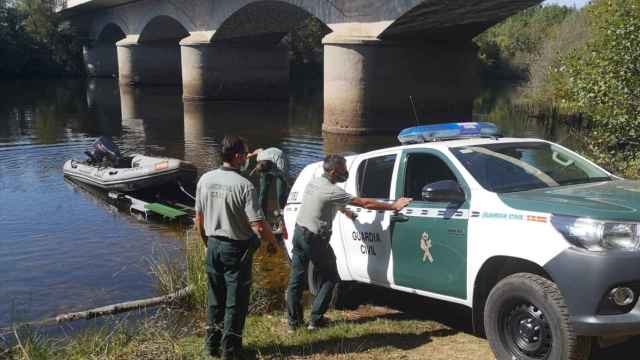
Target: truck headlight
(597, 235)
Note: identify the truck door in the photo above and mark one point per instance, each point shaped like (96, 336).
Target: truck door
(366, 240)
(429, 239)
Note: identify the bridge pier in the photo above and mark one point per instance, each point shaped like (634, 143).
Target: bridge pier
(229, 71)
(100, 59)
(367, 83)
(154, 63)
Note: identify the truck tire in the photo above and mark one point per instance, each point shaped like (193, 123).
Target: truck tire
(526, 318)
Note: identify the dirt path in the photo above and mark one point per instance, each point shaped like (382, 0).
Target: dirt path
(426, 339)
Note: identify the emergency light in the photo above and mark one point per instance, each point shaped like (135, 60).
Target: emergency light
(448, 131)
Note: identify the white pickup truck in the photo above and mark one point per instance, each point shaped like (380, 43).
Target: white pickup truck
(542, 244)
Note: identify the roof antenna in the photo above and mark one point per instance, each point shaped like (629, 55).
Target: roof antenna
(415, 113)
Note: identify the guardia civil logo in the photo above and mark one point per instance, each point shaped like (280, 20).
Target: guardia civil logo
(425, 246)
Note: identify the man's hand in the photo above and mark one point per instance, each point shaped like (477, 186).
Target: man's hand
(263, 230)
(255, 152)
(401, 203)
(200, 228)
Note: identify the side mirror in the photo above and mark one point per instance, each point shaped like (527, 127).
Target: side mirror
(443, 191)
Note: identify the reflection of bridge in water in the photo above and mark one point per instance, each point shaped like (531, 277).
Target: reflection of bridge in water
(378, 53)
(158, 121)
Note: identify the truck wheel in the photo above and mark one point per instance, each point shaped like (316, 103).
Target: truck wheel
(526, 318)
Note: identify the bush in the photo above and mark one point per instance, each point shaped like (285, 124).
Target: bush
(602, 80)
(172, 275)
(571, 34)
(33, 41)
(508, 48)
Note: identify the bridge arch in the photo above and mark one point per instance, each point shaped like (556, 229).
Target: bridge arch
(245, 58)
(265, 22)
(100, 55)
(153, 57)
(452, 21)
(111, 33)
(163, 29)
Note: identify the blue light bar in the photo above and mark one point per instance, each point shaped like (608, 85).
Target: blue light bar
(449, 131)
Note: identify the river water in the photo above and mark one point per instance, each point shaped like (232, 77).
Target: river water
(62, 249)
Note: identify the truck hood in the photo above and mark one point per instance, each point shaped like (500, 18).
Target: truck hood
(610, 200)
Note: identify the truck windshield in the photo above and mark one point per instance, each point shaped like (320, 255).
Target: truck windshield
(511, 167)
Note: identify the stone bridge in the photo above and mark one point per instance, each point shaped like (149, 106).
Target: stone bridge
(378, 54)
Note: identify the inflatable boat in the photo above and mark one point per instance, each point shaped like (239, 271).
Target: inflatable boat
(105, 168)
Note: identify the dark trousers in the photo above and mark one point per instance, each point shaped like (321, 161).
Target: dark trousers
(309, 247)
(229, 282)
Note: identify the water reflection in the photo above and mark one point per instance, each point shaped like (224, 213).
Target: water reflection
(350, 144)
(154, 117)
(500, 106)
(38, 112)
(103, 107)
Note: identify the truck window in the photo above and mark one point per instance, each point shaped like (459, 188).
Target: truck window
(521, 166)
(424, 169)
(374, 177)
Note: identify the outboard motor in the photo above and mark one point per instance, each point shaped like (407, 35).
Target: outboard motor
(104, 151)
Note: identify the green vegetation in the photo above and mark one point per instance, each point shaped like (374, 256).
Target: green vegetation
(34, 42)
(305, 49)
(171, 276)
(368, 333)
(155, 337)
(508, 49)
(602, 80)
(582, 64)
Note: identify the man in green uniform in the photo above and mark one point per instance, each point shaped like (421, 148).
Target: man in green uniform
(271, 167)
(230, 223)
(321, 200)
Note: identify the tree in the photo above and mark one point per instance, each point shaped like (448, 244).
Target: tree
(602, 80)
(34, 42)
(508, 48)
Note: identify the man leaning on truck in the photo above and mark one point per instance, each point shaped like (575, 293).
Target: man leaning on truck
(321, 200)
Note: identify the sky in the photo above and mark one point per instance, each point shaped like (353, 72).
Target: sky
(577, 3)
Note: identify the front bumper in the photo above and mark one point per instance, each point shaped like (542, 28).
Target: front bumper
(608, 325)
(585, 278)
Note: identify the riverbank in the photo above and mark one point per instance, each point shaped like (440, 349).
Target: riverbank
(390, 325)
(370, 332)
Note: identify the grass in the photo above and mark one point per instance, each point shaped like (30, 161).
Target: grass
(172, 275)
(369, 333)
(416, 329)
(154, 337)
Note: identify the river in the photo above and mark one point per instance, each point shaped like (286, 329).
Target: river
(63, 249)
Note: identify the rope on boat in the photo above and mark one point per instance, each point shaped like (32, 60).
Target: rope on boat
(185, 191)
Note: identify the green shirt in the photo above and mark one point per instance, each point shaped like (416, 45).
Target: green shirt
(228, 204)
(320, 203)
